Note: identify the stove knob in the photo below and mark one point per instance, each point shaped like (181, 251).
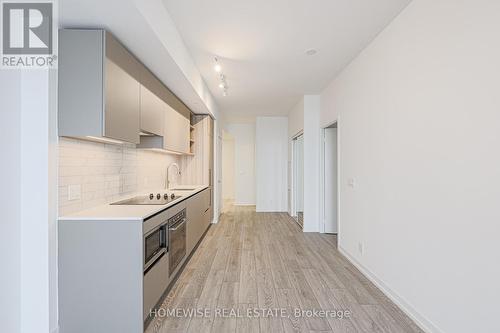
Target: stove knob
(151, 196)
(172, 196)
(165, 196)
(158, 196)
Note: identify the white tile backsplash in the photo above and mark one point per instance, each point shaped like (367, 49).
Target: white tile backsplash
(106, 172)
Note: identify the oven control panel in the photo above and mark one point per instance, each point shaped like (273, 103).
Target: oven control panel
(177, 218)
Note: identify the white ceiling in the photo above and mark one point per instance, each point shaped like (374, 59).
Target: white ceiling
(261, 45)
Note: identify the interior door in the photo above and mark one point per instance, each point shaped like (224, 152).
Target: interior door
(330, 204)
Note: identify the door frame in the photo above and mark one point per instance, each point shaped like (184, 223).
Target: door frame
(293, 211)
(322, 178)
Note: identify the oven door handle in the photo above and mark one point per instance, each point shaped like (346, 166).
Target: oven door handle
(178, 225)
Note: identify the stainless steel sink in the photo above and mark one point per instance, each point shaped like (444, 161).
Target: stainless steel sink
(182, 189)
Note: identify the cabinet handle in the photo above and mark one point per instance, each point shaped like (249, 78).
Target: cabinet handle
(178, 225)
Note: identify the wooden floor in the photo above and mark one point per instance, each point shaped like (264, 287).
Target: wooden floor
(263, 261)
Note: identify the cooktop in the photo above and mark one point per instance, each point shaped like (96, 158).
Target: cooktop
(151, 199)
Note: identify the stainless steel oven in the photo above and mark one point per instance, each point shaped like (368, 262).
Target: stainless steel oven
(177, 239)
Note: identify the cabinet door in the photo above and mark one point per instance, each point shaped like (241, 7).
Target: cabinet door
(169, 129)
(191, 224)
(205, 208)
(196, 217)
(185, 135)
(176, 131)
(152, 112)
(121, 115)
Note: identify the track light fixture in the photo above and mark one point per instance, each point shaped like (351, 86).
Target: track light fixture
(222, 78)
(217, 66)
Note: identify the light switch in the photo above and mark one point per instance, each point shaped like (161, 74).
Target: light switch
(351, 182)
(74, 192)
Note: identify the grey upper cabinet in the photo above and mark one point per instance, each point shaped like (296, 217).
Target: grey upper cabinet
(98, 94)
(121, 109)
(153, 111)
(176, 131)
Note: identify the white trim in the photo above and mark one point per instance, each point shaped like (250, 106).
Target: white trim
(322, 182)
(425, 324)
(243, 204)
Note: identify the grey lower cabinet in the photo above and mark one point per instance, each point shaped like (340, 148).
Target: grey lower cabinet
(102, 283)
(98, 93)
(198, 221)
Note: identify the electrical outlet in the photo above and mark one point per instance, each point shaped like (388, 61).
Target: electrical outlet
(360, 248)
(74, 192)
(351, 182)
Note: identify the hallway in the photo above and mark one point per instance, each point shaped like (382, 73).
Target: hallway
(263, 261)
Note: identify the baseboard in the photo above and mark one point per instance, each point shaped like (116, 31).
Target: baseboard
(422, 322)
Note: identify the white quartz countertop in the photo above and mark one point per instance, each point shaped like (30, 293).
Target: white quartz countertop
(133, 212)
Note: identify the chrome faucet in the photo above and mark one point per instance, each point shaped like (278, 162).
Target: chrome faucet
(168, 179)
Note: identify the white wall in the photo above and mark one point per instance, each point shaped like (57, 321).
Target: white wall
(295, 126)
(296, 119)
(107, 172)
(29, 271)
(305, 116)
(10, 192)
(218, 167)
(419, 124)
(271, 150)
(244, 155)
(311, 162)
(228, 161)
(36, 208)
